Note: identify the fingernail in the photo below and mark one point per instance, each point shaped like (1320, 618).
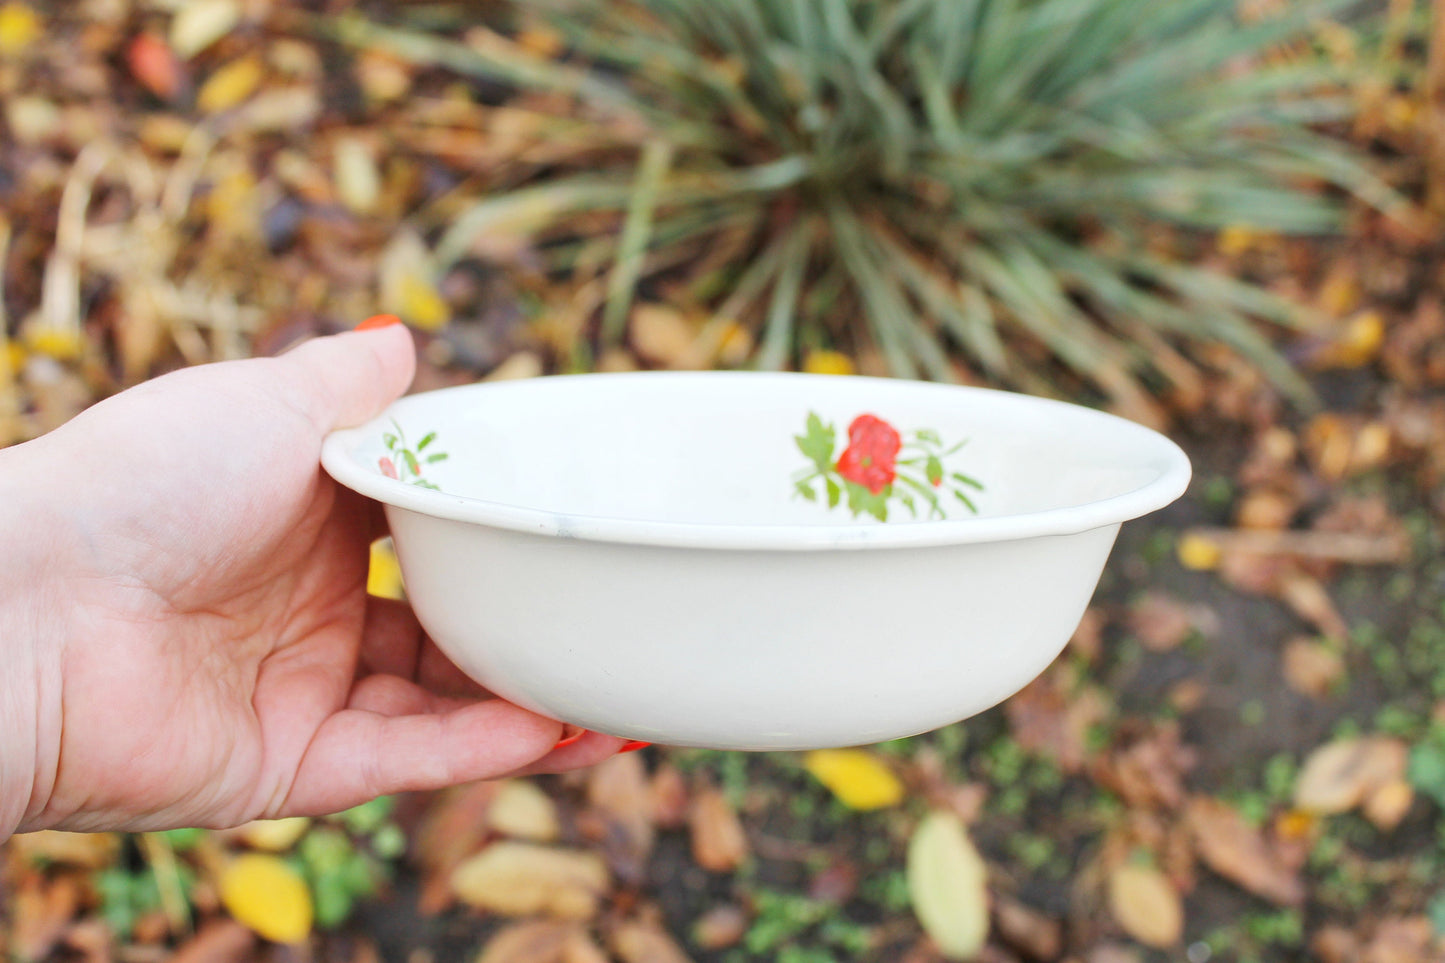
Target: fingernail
(632, 746)
(378, 321)
(569, 738)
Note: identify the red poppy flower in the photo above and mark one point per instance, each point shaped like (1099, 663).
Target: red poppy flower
(871, 457)
(388, 468)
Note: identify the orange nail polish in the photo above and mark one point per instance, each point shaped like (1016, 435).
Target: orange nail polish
(569, 738)
(632, 746)
(379, 321)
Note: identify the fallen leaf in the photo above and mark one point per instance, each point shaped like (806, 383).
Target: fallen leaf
(581, 949)
(662, 334)
(264, 893)
(1387, 806)
(230, 85)
(218, 941)
(275, 835)
(154, 65)
(1266, 509)
(358, 184)
(1309, 599)
(20, 26)
(1240, 853)
(1356, 344)
(453, 829)
(40, 909)
(1312, 668)
(1050, 717)
(533, 941)
(948, 884)
(1026, 929)
(521, 879)
(383, 578)
(523, 811)
(1197, 553)
(669, 797)
(86, 850)
(1148, 767)
(1341, 775)
(1162, 621)
(828, 362)
(720, 927)
(523, 364)
(1146, 905)
(645, 943)
(719, 844)
(858, 779)
(1336, 944)
(200, 23)
(1402, 939)
(618, 791)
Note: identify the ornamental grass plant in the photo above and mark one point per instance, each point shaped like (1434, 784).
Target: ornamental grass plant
(961, 188)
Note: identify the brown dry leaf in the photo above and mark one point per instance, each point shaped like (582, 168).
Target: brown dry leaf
(618, 790)
(1027, 930)
(1307, 596)
(645, 943)
(1342, 774)
(535, 941)
(523, 811)
(1387, 806)
(581, 949)
(1088, 638)
(1406, 939)
(719, 844)
(1240, 853)
(720, 927)
(1266, 509)
(1146, 905)
(1336, 944)
(453, 829)
(86, 850)
(521, 879)
(1045, 718)
(1312, 668)
(663, 335)
(1148, 770)
(40, 909)
(1162, 621)
(218, 941)
(669, 797)
(523, 364)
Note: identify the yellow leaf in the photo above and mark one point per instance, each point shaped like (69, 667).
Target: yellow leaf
(384, 577)
(1147, 905)
(13, 358)
(275, 835)
(1237, 239)
(1199, 553)
(19, 27)
(230, 85)
(268, 896)
(423, 305)
(828, 362)
(858, 779)
(1342, 774)
(62, 344)
(1357, 345)
(948, 884)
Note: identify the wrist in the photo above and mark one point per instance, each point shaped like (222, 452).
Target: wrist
(30, 684)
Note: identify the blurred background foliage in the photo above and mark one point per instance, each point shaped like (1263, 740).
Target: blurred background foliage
(1219, 216)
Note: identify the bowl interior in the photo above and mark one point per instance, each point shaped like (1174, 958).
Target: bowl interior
(722, 449)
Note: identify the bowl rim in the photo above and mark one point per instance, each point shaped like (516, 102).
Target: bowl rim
(1157, 451)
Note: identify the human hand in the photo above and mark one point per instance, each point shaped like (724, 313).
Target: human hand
(183, 610)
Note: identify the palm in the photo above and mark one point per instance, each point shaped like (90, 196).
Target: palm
(231, 665)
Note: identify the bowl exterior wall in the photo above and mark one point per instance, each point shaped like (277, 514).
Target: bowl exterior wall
(739, 649)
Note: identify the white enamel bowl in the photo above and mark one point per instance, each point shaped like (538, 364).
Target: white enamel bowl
(629, 552)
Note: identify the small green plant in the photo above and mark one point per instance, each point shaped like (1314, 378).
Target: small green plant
(932, 180)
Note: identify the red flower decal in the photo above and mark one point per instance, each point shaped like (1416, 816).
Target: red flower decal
(871, 457)
(388, 468)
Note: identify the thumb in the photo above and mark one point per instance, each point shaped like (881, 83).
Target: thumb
(348, 378)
